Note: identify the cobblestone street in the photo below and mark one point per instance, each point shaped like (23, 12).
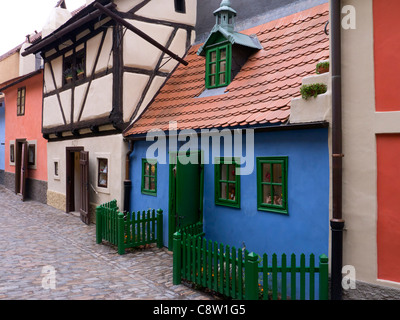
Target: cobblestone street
(34, 236)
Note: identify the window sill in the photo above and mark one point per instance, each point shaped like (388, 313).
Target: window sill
(274, 210)
(149, 193)
(228, 203)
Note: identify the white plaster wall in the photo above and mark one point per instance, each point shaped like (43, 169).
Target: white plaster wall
(111, 147)
(99, 99)
(26, 64)
(140, 53)
(154, 87)
(57, 70)
(360, 125)
(165, 10)
(105, 60)
(58, 16)
(52, 116)
(126, 5)
(136, 84)
(178, 46)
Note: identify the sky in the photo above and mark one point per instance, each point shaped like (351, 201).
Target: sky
(18, 18)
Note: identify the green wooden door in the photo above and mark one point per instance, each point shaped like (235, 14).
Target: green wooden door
(186, 195)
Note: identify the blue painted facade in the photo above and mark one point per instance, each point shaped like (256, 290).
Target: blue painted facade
(305, 229)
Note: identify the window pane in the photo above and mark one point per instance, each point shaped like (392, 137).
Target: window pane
(213, 56)
(266, 172)
(146, 183)
(232, 173)
(222, 66)
(223, 194)
(153, 170)
(103, 173)
(147, 169)
(266, 193)
(232, 192)
(277, 177)
(212, 81)
(222, 78)
(277, 195)
(224, 168)
(213, 68)
(223, 54)
(152, 184)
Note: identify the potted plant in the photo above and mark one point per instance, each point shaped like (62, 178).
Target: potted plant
(322, 67)
(79, 71)
(68, 75)
(312, 90)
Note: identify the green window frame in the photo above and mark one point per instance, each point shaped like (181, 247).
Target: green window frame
(227, 182)
(272, 184)
(149, 177)
(218, 66)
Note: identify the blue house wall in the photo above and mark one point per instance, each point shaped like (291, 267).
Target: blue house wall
(305, 229)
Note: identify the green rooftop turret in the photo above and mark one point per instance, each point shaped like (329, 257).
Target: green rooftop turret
(225, 16)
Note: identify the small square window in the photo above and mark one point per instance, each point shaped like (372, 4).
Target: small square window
(102, 180)
(180, 6)
(227, 182)
(272, 184)
(12, 153)
(56, 169)
(149, 177)
(31, 154)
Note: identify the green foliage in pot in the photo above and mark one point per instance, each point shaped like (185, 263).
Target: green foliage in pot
(312, 90)
(322, 67)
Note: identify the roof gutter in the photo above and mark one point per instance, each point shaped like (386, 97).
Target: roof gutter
(337, 221)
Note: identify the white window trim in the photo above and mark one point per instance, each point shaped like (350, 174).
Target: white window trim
(33, 143)
(56, 177)
(99, 155)
(12, 142)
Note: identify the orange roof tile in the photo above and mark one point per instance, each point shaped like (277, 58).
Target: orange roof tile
(259, 94)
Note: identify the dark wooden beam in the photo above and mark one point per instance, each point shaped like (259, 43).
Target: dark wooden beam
(140, 33)
(58, 34)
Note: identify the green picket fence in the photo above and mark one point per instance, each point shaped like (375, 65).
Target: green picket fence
(238, 274)
(128, 230)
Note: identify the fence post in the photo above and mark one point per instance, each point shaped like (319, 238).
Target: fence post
(323, 277)
(160, 242)
(120, 233)
(177, 258)
(98, 224)
(251, 277)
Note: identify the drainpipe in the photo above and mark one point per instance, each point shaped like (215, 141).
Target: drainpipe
(127, 181)
(337, 221)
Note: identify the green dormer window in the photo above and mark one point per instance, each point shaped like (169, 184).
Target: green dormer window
(225, 50)
(218, 69)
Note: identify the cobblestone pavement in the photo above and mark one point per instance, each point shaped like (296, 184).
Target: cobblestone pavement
(34, 236)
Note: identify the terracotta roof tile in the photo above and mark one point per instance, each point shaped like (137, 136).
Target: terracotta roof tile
(259, 94)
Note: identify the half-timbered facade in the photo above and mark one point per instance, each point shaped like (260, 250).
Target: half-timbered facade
(102, 67)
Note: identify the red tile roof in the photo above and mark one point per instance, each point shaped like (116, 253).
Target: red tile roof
(260, 93)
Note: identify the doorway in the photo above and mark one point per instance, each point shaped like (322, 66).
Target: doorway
(77, 182)
(186, 184)
(21, 167)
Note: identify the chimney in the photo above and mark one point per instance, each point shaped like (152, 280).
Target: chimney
(58, 16)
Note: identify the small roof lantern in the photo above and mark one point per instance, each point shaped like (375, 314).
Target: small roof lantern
(225, 16)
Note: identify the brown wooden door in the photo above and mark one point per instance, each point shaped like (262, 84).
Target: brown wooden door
(84, 210)
(24, 169)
